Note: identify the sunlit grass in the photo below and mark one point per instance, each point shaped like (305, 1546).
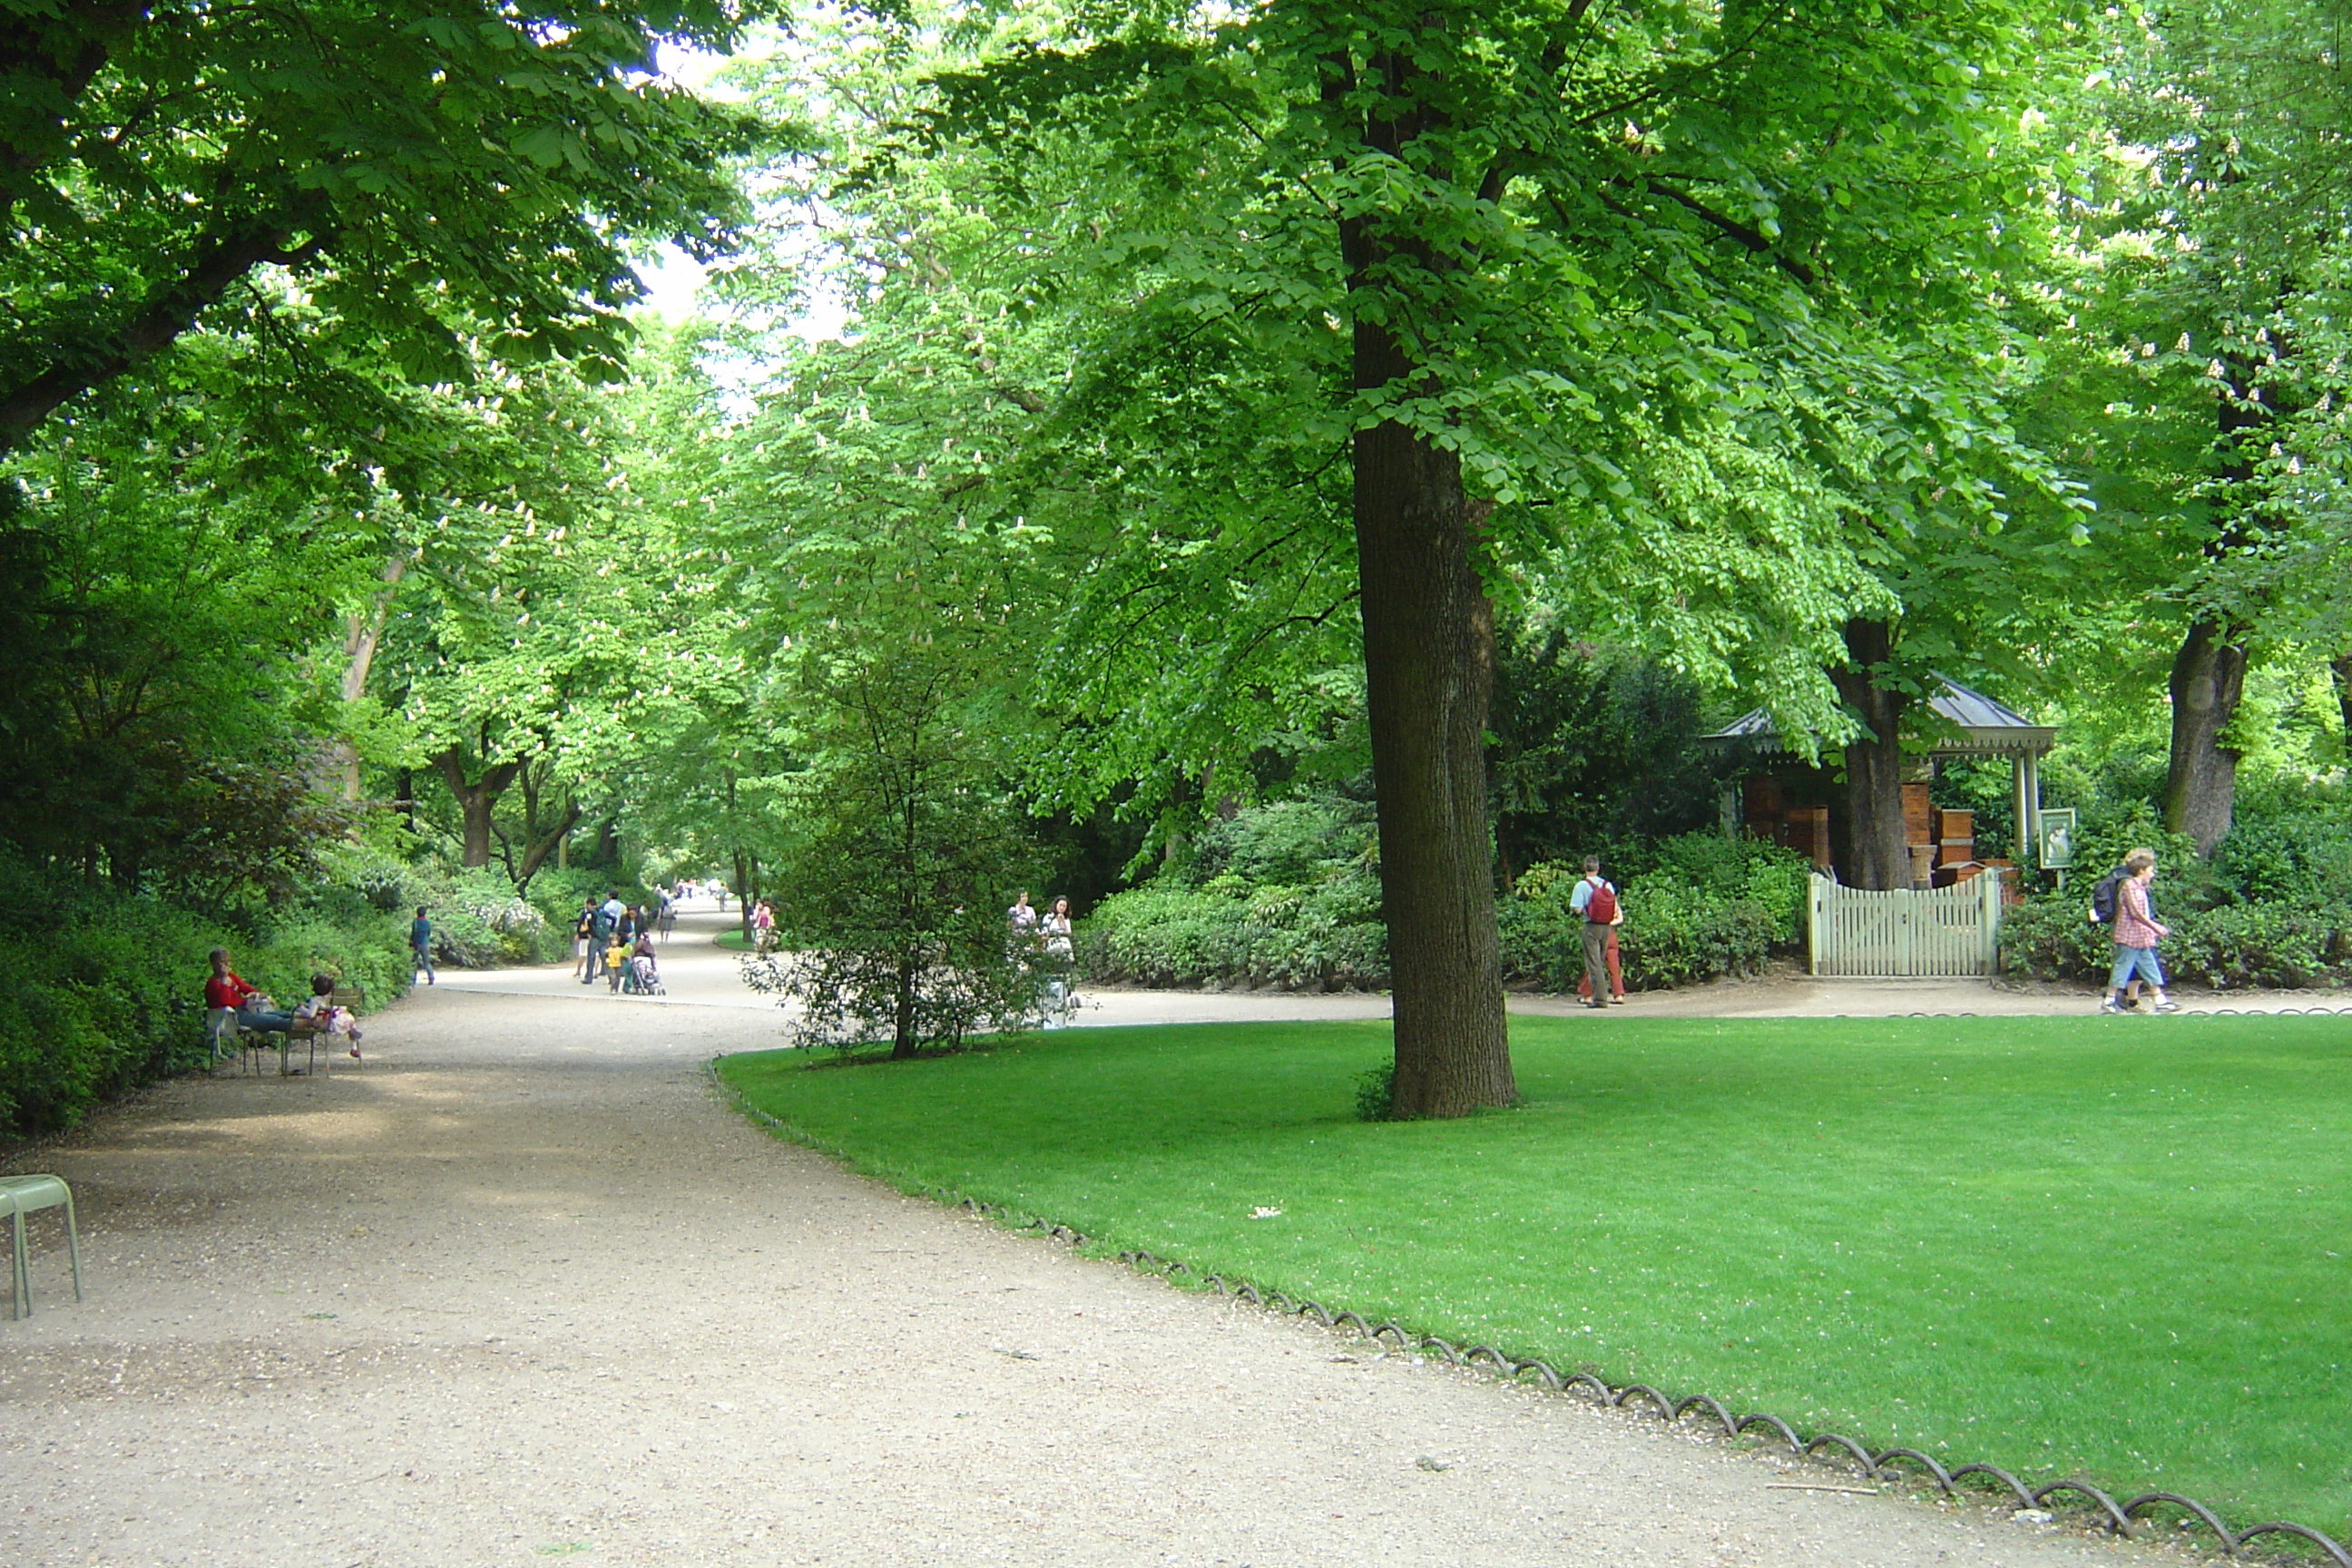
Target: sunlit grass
(2117, 1246)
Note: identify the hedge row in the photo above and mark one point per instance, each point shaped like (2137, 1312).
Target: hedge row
(1695, 907)
(2229, 946)
(108, 990)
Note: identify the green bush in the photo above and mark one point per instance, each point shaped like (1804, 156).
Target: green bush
(2229, 946)
(480, 921)
(1697, 906)
(108, 989)
(1324, 936)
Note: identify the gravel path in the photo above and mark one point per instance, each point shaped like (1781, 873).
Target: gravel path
(524, 1289)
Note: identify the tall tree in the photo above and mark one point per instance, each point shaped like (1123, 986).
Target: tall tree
(1565, 276)
(2217, 296)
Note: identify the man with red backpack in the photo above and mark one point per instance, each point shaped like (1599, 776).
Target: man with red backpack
(1596, 901)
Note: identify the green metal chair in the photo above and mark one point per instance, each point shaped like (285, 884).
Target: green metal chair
(23, 1195)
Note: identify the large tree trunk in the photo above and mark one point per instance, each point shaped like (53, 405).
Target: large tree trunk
(1429, 669)
(2208, 673)
(1429, 642)
(1870, 848)
(475, 799)
(902, 1044)
(2208, 676)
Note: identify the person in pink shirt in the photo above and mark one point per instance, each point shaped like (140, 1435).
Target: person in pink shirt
(2137, 932)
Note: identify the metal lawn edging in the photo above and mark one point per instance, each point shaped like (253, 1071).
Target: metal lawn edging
(2118, 1517)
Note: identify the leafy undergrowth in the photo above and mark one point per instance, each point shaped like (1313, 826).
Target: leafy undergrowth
(2114, 1247)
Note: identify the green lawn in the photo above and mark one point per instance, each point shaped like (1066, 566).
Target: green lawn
(2121, 1246)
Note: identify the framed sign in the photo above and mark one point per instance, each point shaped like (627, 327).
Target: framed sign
(2057, 837)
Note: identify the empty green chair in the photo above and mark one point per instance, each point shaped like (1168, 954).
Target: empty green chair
(23, 1195)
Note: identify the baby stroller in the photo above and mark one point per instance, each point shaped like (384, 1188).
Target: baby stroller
(642, 977)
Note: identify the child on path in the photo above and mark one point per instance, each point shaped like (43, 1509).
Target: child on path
(2137, 932)
(616, 958)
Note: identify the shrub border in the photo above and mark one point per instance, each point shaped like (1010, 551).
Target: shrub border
(2116, 1518)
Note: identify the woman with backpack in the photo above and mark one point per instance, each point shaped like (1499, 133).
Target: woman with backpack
(2137, 932)
(1596, 901)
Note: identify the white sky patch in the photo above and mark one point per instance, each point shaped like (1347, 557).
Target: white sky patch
(672, 279)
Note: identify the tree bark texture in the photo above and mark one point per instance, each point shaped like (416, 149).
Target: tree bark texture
(1429, 669)
(1870, 849)
(473, 800)
(2208, 676)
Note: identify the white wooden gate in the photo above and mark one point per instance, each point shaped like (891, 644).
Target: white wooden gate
(1941, 931)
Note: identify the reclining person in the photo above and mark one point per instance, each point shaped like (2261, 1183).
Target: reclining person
(255, 1014)
(320, 1008)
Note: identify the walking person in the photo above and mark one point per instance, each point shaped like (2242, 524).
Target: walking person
(1054, 929)
(1595, 899)
(602, 919)
(2137, 932)
(584, 934)
(764, 927)
(420, 946)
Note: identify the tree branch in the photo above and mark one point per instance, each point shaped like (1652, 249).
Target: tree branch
(169, 309)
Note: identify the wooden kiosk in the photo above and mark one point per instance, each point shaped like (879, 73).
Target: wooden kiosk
(1782, 798)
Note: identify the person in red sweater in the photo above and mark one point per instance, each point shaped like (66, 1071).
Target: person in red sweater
(255, 1012)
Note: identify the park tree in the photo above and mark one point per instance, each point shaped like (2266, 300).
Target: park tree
(167, 729)
(1642, 291)
(894, 882)
(2210, 310)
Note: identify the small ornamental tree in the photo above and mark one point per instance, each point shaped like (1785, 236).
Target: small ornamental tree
(888, 904)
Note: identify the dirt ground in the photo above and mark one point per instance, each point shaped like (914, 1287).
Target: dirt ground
(523, 1288)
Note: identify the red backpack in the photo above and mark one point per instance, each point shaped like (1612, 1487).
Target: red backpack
(1600, 909)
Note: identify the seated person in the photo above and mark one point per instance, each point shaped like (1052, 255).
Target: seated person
(320, 1008)
(255, 1014)
(644, 972)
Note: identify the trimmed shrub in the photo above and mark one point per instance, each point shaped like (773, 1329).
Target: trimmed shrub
(2234, 945)
(1323, 936)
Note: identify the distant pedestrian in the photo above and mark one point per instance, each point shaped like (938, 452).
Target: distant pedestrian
(1058, 961)
(666, 918)
(764, 926)
(420, 945)
(2137, 932)
(1021, 916)
(584, 934)
(602, 919)
(1595, 900)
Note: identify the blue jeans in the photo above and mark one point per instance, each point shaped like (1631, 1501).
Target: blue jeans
(2139, 960)
(260, 1023)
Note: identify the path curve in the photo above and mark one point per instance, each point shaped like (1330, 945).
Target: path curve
(523, 1289)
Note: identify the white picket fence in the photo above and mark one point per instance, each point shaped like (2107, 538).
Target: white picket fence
(1941, 931)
